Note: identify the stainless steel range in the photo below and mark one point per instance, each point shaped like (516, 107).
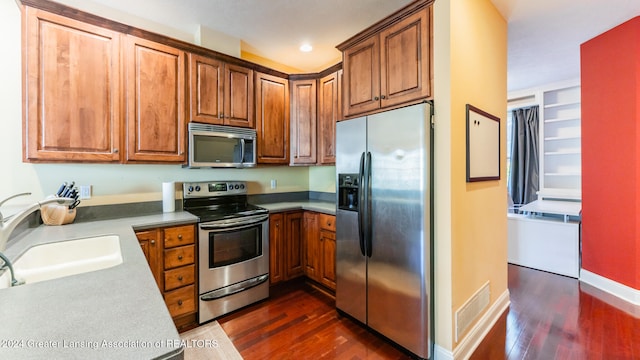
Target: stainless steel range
(233, 240)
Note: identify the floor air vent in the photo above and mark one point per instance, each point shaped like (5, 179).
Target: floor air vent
(470, 311)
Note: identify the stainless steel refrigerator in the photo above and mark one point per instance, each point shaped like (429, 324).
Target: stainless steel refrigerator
(384, 224)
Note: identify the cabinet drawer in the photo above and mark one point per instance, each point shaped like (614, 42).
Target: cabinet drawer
(180, 256)
(179, 277)
(181, 301)
(178, 236)
(327, 222)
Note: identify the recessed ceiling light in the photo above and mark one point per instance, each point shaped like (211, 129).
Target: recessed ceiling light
(306, 48)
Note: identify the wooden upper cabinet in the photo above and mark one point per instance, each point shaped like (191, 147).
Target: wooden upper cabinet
(405, 60)
(71, 90)
(389, 64)
(328, 114)
(238, 104)
(155, 89)
(303, 122)
(206, 90)
(272, 118)
(220, 93)
(362, 77)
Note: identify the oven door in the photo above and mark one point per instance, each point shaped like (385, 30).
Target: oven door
(232, 251)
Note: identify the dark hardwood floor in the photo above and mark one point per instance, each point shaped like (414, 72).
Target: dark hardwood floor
(556, 317)
(299, 321)
(551, 317)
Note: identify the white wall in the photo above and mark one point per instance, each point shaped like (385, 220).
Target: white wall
(112, 183)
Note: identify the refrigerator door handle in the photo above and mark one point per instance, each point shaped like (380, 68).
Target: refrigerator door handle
(361, 204)
(369, 225)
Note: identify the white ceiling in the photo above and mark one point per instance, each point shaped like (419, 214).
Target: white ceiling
(544, 35)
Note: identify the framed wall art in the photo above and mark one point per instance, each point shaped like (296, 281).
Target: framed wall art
(483, 145)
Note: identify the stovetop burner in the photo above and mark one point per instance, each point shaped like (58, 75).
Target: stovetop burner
(218, 200)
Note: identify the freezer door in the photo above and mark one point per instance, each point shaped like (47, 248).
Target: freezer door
(351, 266)
(399, 268)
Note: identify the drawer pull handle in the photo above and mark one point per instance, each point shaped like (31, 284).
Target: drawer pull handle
(153, 242)
(180, 278)
(180, 302)
(180, 236)
(179, 257)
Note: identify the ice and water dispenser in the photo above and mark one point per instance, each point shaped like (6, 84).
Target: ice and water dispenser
(348, 191)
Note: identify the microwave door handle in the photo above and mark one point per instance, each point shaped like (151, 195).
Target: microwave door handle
(241, 151)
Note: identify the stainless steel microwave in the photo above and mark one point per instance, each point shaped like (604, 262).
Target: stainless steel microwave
(221, 146)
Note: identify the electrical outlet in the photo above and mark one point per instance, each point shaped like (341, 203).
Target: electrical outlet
(85, 191)
(274, 184)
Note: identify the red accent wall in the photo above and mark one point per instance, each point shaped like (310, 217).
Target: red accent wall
(610, 82)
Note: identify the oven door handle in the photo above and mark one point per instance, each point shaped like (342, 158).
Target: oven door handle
(234, 289)
(234, 225)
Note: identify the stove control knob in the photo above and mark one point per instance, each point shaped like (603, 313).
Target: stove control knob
(241, 186)
(237, 186)
(197, 187)
(190, 189)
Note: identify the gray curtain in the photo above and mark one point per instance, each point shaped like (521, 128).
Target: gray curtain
(523, 171)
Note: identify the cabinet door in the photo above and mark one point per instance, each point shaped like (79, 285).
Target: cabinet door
(150, 244)
(311, 245)
(155, 102)
(328, 261)
(405, 60)
(72, 90)
(276, 248)
(206, 88)
(272, 119)
(328, 107)
(303, 122)
(294, 266)
(361, 65)
(238, 103)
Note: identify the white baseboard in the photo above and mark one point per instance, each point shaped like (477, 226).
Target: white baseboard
(440, 353)
(621, 291)
(477, 333)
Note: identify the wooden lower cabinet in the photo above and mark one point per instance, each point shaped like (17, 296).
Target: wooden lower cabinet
(285, 246)
(276, 251)
(303, 243)
(328, 259)
(320, 248)
(171, 253)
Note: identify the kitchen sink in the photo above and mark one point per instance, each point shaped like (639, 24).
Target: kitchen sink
(65, 258)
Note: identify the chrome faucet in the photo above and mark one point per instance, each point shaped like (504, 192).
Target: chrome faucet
(9, 224)
(7, 264)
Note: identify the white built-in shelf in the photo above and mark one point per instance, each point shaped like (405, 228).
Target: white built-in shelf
(562, 119)
(562, 174)
(569, 103)
(552, 138)
(555, 207)
(564, 152)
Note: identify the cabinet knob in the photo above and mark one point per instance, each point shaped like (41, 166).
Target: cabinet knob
(383, 97)
(180, 236)
(329, 223)
(180, 302)
(179, 257)
(153, 242)
(180, 278)
(115, 151)
(376, 98)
